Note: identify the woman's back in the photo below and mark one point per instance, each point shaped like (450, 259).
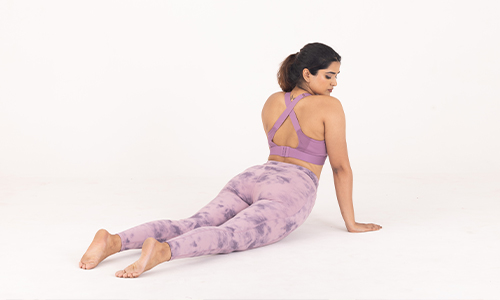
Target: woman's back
(310, 112)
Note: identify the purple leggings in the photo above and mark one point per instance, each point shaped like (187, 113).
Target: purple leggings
(258, 207)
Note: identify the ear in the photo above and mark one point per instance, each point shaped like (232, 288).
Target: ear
(306, 75)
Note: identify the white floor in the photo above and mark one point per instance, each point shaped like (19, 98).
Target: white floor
(440, 240)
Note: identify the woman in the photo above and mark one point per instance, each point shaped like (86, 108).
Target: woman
(265, 203)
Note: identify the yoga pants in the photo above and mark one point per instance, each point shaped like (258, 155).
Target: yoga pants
(259, 206)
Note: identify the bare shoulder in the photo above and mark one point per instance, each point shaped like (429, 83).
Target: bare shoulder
(275, 97)
(273, 102)
(329, 105)
(328, 101)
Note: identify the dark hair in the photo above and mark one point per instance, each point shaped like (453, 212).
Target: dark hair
(313, 56)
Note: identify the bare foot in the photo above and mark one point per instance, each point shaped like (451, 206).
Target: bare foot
(153, 253)
(103, 245)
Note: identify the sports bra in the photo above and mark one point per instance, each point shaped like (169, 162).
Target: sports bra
(308, 150)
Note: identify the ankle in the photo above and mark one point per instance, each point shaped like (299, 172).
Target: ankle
(168, 254)
(116, 243)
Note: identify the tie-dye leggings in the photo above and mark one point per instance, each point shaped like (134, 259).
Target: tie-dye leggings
(259, 206)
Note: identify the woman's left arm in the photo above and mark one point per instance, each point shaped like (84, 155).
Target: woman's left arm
(342, 174)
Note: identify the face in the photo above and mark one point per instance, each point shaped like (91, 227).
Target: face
(325, 80)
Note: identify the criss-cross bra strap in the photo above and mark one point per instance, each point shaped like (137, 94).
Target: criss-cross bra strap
(293, 116)
(288, 111)
(315, 156)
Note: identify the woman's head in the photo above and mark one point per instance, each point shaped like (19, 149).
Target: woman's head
(301, 69)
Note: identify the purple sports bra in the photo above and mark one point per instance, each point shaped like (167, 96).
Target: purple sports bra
(309, 150)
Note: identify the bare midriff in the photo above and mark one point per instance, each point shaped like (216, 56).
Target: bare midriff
(316, 169)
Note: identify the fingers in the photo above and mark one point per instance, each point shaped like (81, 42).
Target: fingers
(361, 227)
(374, 227)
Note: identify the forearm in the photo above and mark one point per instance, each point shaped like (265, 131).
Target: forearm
(343, 187)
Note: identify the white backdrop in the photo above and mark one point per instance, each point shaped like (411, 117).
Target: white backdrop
(103, 103)
(162, 88)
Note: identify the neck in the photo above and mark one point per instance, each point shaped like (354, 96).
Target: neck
(299, 91)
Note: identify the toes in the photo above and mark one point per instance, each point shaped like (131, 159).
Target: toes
(123, 274)
(89, 265)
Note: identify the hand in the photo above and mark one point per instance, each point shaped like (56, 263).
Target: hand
(360, 227)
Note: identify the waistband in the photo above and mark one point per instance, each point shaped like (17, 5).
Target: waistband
(301, 168)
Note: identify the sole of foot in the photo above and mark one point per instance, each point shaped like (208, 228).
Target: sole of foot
(153, 253)
(103, 245)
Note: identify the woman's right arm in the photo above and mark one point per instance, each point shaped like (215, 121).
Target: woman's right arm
(336, 145)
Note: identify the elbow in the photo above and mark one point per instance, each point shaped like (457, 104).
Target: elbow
(341, 169)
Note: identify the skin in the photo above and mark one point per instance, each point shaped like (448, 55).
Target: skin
(321, 117)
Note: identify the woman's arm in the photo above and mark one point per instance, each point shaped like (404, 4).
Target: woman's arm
(335, 138)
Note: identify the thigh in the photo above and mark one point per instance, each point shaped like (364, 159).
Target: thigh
(263, 223)
(225, 206)
(234, 197)
(284, 200)
(279, 204)
(260, 224)
(222, 208)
